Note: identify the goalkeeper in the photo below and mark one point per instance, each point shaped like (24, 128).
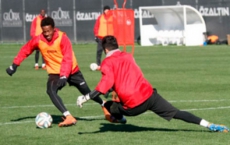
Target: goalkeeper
(136, 94)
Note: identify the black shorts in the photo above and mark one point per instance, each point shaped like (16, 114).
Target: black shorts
(155, 103)
(75, 79)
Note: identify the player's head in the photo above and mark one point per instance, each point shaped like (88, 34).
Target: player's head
(47, 25)
(43, 13)
(109, 43)
(106, 9)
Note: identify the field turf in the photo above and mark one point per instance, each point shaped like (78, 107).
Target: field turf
(195, 79)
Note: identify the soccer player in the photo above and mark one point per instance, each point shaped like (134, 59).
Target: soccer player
(211, 39)
(36, 30)
(136, 94)
(102, 27)
(61, 64)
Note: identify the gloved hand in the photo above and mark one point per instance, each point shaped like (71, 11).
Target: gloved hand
(11, 69)
(82, 99)
(61, 82)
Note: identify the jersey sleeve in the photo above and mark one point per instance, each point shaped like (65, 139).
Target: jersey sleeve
(67, 52)
(33, 27)
(26, 50)
(107, 79)
(96, 26)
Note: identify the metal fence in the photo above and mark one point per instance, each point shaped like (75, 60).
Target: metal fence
(77, 17)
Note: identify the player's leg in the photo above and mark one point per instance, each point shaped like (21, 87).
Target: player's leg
(77, 80)
(36, 66)
(188, 117)
(191, 118)
(99, 52)
(116, 109)
(164, 109)
(155, 103)
(113, 112)
(52, 91)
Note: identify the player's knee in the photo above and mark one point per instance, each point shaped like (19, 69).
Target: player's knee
(85, 89)
(108, 104)
(114, 108)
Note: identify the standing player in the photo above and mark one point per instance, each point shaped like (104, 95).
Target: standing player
(102, 27)
(136, 94)
(61, 64)
(36, 30)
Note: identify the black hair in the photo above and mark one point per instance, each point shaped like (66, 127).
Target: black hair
(106, 8)
(109, 42)
(47, 21)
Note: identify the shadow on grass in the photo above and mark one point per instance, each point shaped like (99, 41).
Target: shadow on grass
(107, 127)
(56, 119)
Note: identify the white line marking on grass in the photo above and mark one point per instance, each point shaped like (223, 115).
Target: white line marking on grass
(35, 106)
(102, 116)
(213, 108)
(173, 101)
(219, 100)
(10, 123)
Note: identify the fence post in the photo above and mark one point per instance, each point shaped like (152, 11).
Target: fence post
(74, 23)
(1, 21)
(24, 20)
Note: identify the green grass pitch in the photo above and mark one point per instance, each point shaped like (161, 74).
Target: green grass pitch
(196, 79)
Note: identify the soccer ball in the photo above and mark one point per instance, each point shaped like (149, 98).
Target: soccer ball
(93, 66)
(43, 120)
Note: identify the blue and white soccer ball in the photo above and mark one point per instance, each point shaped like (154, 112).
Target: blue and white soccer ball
(43, 120)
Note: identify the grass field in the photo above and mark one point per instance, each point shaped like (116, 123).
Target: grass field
(196, 79)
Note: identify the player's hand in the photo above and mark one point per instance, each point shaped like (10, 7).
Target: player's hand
(61, 82)
(11, 69)
(82, 99)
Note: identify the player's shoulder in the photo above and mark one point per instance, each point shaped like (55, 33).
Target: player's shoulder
(98, 18)
(35, 18)
(58, 31)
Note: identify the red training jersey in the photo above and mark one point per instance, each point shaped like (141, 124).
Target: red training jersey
(57, 53)
(120, 71)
